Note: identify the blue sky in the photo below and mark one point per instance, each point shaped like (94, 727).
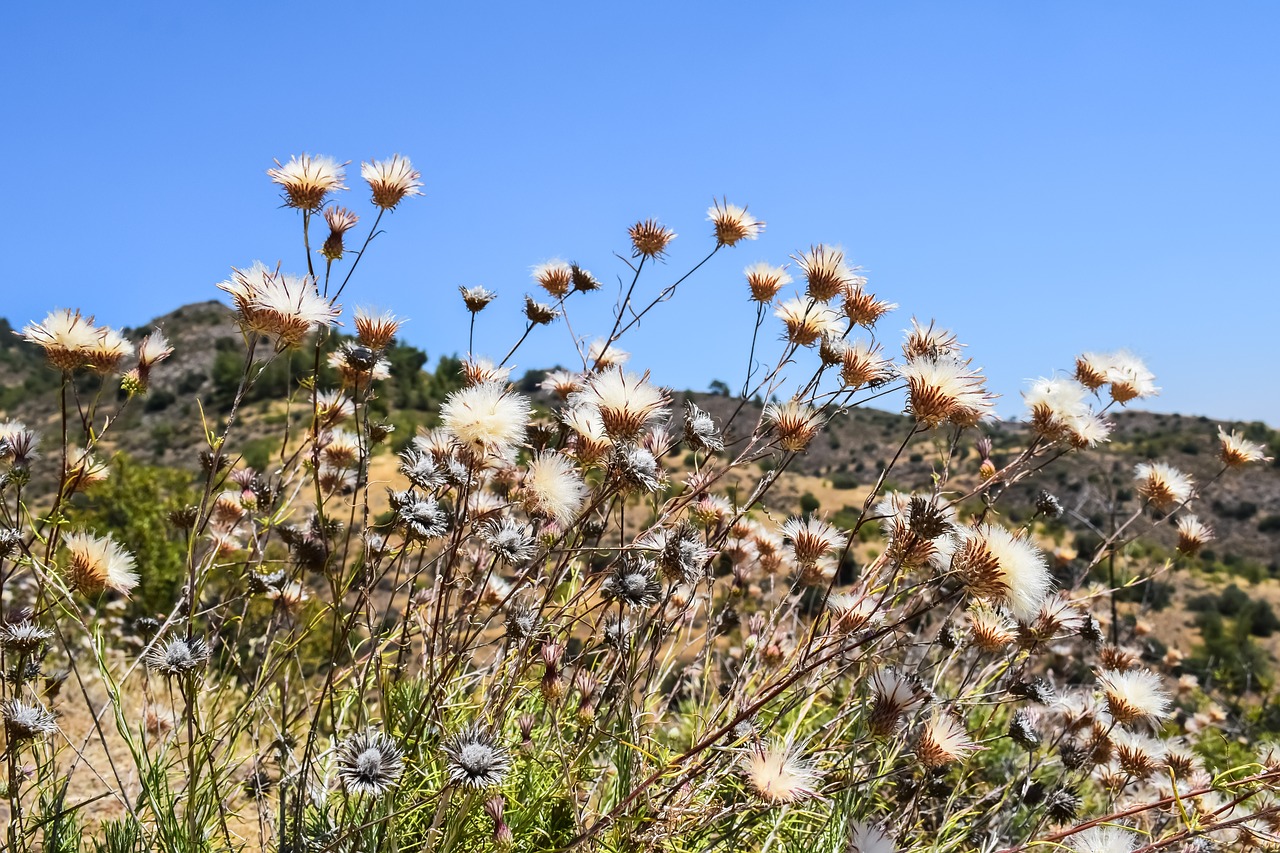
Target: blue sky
(1043, 178)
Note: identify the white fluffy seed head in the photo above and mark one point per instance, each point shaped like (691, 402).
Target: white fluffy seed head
(553, 488)
(487, 418)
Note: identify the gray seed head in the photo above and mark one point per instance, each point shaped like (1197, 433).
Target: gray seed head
(700, 431)
(178, 656)
(632, 581)
(476, 759)
(27, 720)
(636, 470)
(509, 541)
(421, 470)
(369, 763)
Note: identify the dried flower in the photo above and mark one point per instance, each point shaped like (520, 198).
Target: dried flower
(340, 221)
(943, 740)
(376, 331)
(633, 581)
(391, 180)
(825, 271)
(1192, 534)
(272, 303)
(65, 336)
(1235, 450)
(635, 469)
(555, 277)
(700, 431)
(307, 180)
(23, 636)
(583, 280)
(863, 308)
(808, 322)
(1163, 485)
(778, 774)
(812, 538)
(178, 656)
(765, 280)
(895, 693)
(1129, 378)
(27, 720)
(369, 763)
(508, 539)
(929, 342)
(865, 838)
(1000, 566)
(96, 563)
(487, 418)
(626, 403)
(1103, 839)
(733, 224)
(1135, 695)
(945, 389)
(476, 759)
(537, 313)
(477, 297)
(649, 239)
(796, 424)
(553, 488)
(420, 518)
(861, 364)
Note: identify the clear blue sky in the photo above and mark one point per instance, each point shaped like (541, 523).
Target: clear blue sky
(1041, 177)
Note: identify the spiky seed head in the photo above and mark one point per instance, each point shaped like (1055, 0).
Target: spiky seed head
(376, 331)
(487, 418)
(391, 181)
(1162, 484)
(552, 487)
(777, 773)
(945, 389)
(989, 629)
(861, 364)
(765, 280)
(27, 720)
(868, 838)
(700, 431)
(825, 271)
(1134, 696)
(306, 180)
(649, 239)
(733, 224)
(795, 423)
(554, 276)
(538, 313)
(340, 221)
(1129, 378)
(1103, 839)
(1023, 729)
(509, 540)
(419, 518)
(583, 280)
(1002, 567)
(1192, 534)
(178, 656)
(23, 636)
(67, 337)
(369, 763)
(862, 307)
(1062, 805)
(631, 581)
(97, 563)
(476, 298)
(635, 469)
(475, 758)
(626, 403)
(1235, 450)
(812, 538)
(808, 322)
(943, 740)
(895, 693)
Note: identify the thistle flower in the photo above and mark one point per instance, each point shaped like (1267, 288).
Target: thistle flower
(96, 563)
(682, 556)
(1163, 485)
(603, 355)
(765, 280)
(812, 538)
(583, 280)
(1090, 431)
(376, 331)
(537, 313)
(1023, 730)
(895, 693)
(1103, 839)
(1192, 534)
(999, 566)
(65, 336)
(509, 540)
(523, 622)
(795, 423)
(562, 383)
(626, 403)
(27, 720)
(632, 581)
(420, 518)
(333, 407)
(1138, 755)
(486, 418)
(778, 774)
(1129, 378)
(700, 431)
(1135, 695)
(555, 277)
(287, 307)
(861, 364)
(84, 469)
(154, 349)
(479, 371)
(649, 239)
(107, 352)
(476, 759)
(391, 181)
(945, 389)
(863, 308)
(929, 342)
(340, 221)
(23, 636)
(1057, 407)
(851, 611)
(1091, 370)
(18, 444)
(943, 739)
(369, 763)
(553, 488)
(990, 630)
(635, 469)
(865, 838)
(178, 656)
(307, 180)
(1062, 805)
(477, 297)
(1235, 450)
(807, 323)
(825, 271)
(733, 224)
